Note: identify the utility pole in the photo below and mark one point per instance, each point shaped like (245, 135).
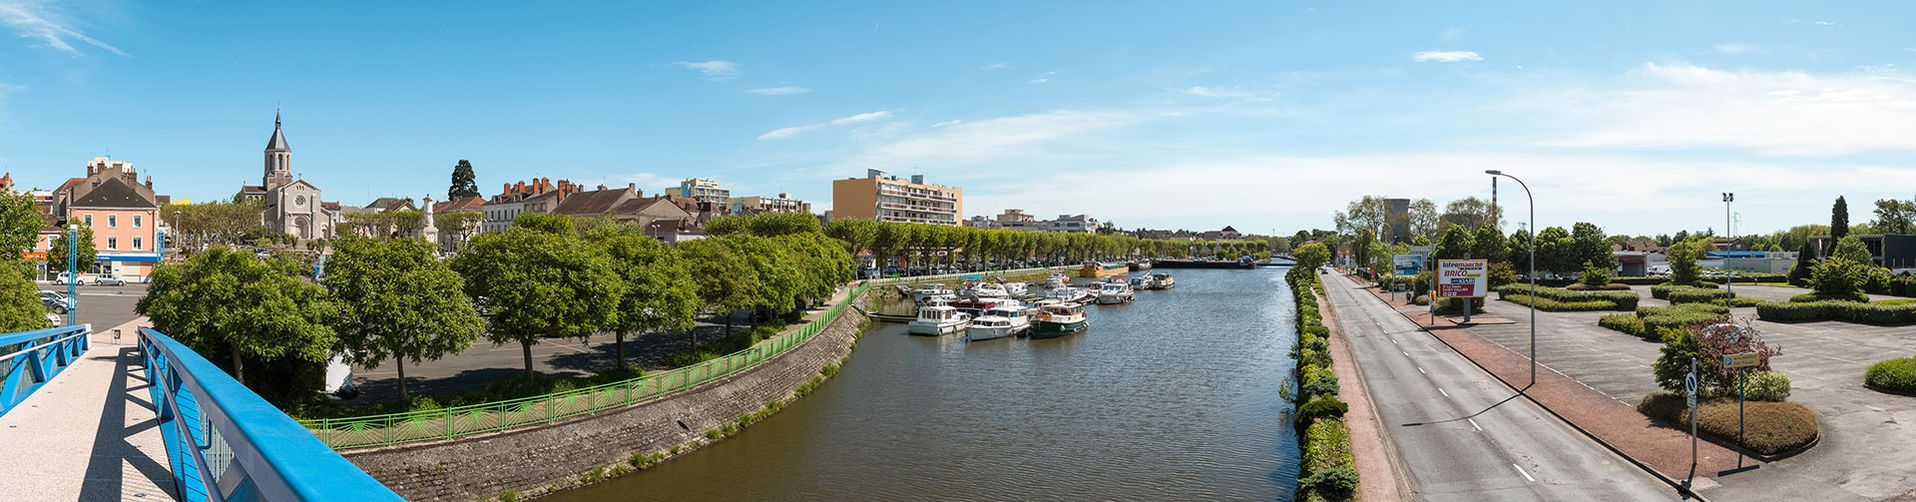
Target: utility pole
(1729, 235)
(73, 274)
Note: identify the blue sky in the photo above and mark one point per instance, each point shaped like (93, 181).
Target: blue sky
(1260, 115)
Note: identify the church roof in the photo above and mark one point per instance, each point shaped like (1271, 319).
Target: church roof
(279, 140)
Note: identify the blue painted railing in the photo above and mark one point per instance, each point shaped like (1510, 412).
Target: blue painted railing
(224, 442)
(33, 358)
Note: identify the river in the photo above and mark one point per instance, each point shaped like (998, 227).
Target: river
(1175, 397)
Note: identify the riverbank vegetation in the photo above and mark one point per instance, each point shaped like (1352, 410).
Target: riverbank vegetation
(1328, 471)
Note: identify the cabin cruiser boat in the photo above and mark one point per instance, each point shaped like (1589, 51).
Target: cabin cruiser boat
(984, 290)
(939, 319)
(933, 291)
(1017, 314)
(1141, 283)
(978, 306)
(1016, 289)
(1055, 319)
(1074, 295)
(988, 327)
(1161, 280)
(1115, 293)
(1057, 280)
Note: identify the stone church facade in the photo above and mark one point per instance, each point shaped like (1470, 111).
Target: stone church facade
(293, 205)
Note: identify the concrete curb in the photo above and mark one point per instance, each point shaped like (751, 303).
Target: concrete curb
(1573, 425)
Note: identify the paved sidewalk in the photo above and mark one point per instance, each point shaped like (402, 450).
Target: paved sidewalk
(90, 434)
(1379, 477)
(1617, 424)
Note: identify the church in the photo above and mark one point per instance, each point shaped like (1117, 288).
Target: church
(292, 206)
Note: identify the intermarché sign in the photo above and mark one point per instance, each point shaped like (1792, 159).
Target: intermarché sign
(1463, 278)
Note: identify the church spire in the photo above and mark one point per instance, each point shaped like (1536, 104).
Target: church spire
(278, 142)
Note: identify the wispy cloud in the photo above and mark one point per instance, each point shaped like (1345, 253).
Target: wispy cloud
(1043, 78)
(995, 67)
(1814, 22)
(1736, 48)
(647, 182)
(714, 70)
(951, 122)
(961, 144)
(1445, 56)
(37, 20)
(1234, 93)
(779, 91)
(787, 132)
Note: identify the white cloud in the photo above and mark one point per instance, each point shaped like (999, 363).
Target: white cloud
(995, 67)
(714, 70)
(1666, 106)
(1740, 48)
(646, 182)
(37, 20)
(1445, 56)
(1235, 93)
(862, 117)
(1019, 136)
(951, 122)
(788, 132)
(779, 91)
(1042, 78)
(1828, 24)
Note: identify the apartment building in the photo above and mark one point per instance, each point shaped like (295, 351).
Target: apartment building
(882, 197)
(756, 204)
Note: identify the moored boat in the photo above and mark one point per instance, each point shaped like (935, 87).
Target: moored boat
(939, 319)
(932, 292)
(1055, 319)
(983, 290)
(1094, 270)
(1017, 314)
(988, 327)
(1112, 293)
(1056, 280)
(1161, 280)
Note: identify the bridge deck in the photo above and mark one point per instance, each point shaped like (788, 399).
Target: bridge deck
(90, 433)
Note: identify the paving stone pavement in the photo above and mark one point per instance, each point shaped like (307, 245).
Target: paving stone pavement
(89, 434)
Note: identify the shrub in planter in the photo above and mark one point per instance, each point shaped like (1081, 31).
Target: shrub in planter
(1549, 305)
(1771, 428)
(1627, 323)
(1769, 386)
(1894, 374)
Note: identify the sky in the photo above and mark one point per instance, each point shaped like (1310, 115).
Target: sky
(1267, 116)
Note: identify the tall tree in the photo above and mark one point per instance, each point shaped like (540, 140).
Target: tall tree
(1895, 216)
(1590, 246)
(396, 299)
(1455, 244)
(20, 307)
(229, 301)
(1423, 218)
(459, 226)
(1683, 256)
(535, 283)
(1805, 259)
(1471, 212)
(1557, 252)
(1489, 244)
(660, 294)
(20, 224)
(464, 182)
(726, 282)
(88, 257)
(1839, 219)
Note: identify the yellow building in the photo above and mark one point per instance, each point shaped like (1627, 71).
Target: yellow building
(880, 197)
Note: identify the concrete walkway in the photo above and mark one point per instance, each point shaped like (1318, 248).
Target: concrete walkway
(90, 434)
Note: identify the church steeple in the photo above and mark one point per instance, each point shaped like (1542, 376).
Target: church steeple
(279, 158)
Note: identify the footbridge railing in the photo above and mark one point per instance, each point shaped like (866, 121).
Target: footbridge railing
(223, 442)
(33, 358)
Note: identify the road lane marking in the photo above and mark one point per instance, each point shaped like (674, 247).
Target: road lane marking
(1420, 369)
(1406, 354)
(1526, 475)
(1473, 424)
(1441, 391)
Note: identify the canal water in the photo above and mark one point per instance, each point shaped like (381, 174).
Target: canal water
(1175, 397)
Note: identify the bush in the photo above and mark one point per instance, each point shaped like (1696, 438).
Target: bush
(1695, 295)
(1561, 299)
(1331, 484)
(1613, 286)
(1320, 407)
(1627, 323)
(1327, 468)
(1771, 428)
(1549, 305)
(1894, 374)
(1817, 297)
(1768, 386)
(1879, 314)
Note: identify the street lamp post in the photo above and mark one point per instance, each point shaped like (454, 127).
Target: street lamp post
(1729, 235)
(1532, 234)
(73, 274)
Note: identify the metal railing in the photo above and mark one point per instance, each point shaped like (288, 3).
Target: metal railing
(484, 418)
(33, 358)
(223, 442)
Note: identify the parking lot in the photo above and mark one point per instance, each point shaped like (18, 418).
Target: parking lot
(105, 306)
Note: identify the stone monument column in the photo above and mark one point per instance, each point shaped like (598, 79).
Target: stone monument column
(426, 228)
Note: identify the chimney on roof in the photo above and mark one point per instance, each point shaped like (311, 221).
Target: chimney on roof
(601, 187)
(149, 181)
(506, 188)
(634, 187)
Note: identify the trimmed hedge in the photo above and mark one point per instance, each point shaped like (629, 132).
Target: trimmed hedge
(1878, 314)
(1560, 299)
(1329, 470)
(1613, 286)
(1817, 297)
(1647, 320)
(1894, 374)
(1772, 428)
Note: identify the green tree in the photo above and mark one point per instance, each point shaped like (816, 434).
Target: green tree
(535, 283)
(1311, 256)
(396, 299)
(464, 182)
(1589, 246)
(1895, 216)
(763, 224)
(1595, 275)
(229, 301)
(1456, 243)
(20, 224)
(1683, 256)
(1489, 244)
(1805, 259)
(1556, 251)
(88, 255)
(1839, 219)
(20, 307)
(660, 295)
(549, 223)
(1361, 248)
(726, 282)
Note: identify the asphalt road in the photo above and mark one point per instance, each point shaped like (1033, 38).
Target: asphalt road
(1461, 434)
(105, 306)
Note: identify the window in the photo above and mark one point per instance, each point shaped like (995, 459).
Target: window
(113, 243)
(136, 243)
(136, 224)
(88, 219)
(112, 221)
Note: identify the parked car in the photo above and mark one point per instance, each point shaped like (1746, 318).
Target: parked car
(53, 320)
(108, 280)
(64, 279)
(1659, 270)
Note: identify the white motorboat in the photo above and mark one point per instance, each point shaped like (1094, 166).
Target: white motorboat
(932, 291)
(1056, 280)
(1114, 293)
(988, 327)
(938, 320)
(1072, 295)
(1016, 289)
(1018, 315)
(1161, 280)
(1055, 319)
(984, 290)
(1141, 283)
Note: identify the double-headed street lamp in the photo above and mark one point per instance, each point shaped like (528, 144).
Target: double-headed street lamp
(1532, 234)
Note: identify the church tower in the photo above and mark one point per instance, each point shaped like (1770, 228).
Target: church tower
(279, 159)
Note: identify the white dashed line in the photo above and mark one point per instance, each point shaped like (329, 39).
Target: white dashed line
(1406, 354)
(1441, 391)
(1420, 369)
(1526, 475)
(1473, 425)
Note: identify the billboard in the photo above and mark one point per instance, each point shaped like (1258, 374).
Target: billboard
(1463, 278)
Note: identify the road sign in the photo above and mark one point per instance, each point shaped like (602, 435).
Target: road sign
(1463, 278)
(1743, 360)
(1689, 387)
